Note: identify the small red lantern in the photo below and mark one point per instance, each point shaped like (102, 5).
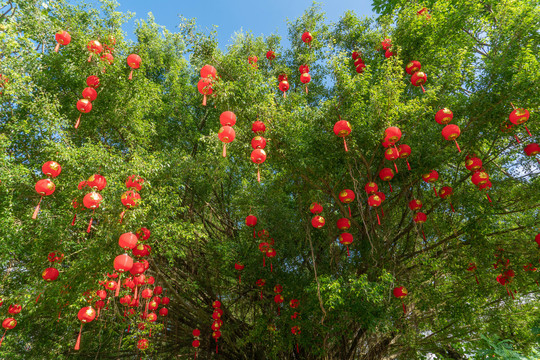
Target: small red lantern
(14, 309)
(208, 71)
(393, 135)
(55, 256)
(258, 142)
(303, 69)
(282, 77)
(7, 324)
(50, 274)
(163, 312)
(253, 61)
(130, 199)
(520, 116)
(122, 263)
(205, 88)
(86, 314)
(239, 267)
(251, 221)
(135, 182)
(386, 174)
(415, 205)
(371, 188)
(94, 47)
(315, 208)
(134, 62)
(375, 201)
(400, 292)
(271, 253)
(97, 182)
(92, 81)
(480, 178)
(127, 240)
(386, 44)
(445, 193)
(270, 55)
(420, 218)
(307, 38)
(258, 156)
(305, 78)
(451, 132)
(343, 224)
(284, 86)
(413, 67)
(143, 234)
(227, 118)
(419, 78)
(388, 54)
(84, 106)
(89, 93)
(444, 116)
(62, 37)
(318, 222)
(51, 168)
(346, 239)
(342, 129)
(258, 127)
(532, 149)
(260, 283)
(43, 187)
(142, 344)
(226, 135)
(392, 154)
(431, 178)
(347, 196)
(404, 153)
(473, 163)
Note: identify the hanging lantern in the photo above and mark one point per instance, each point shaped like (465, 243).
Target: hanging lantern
(400, 292)
(343, 224)
(412, 67)
(473, 163)
(142, 344)
(239, 267)
(479, 178)
(109, 60)
(94, 47)
(258, 142)
(205, 88)
(346, 239)
(419, 78)
(303, 69)
(163, 312)
(130, 199)
(260, 283)
(386, 44)
(258, 156)
(472, 268)
(62, 37)
(451, 132)
(84, 106)
(251, 221)
(50, 274)
(14, 309)
(318, 222)
(227, 118)
(420, 218)
(55, 256)
(97, 182)
(371, 188)
(386, 174)
(127, 241)
(347, 196)
(135, 182)
(388, 54)
(86, 314)
(487, 185)
(208, 71)
(284, 86)
(305, 78)
(263, 234)
(270, 55)
(415, 205)
(444, 116)
(89, 93)
(404, 153)
(532, 149)
(307, 38)
(520, 116)
(7, 324)
(258, 127)
(445, 193)
(392, 154)
(271, 253)
(92, 81)
(392, 135)
(43, 187)
(141, 250)
(342, 129)
(226, 135)
(122, 263)
(143, 234)
(134, 62)
(51, 168)
(315, 208)
(252, 60)
(431, 178)
(375, 201)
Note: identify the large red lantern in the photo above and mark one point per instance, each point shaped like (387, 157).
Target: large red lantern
(134, 62)
(143, 234)
(127, 240)
(346, 239)
(43, 187)
(208, 71)
(258, 142)
(444, 116)
(94, 47)
(520, 116)
(479, 178)
(122, 263)
(445, 192)
(92, 201)
(431, 178)
(307, 38)
(343, 224)
(258, 127)
(50, 274)
(392, 154)
(258, 156)
(84, 106)
(97, 182)
(347, 196)
(89, 93)
(226, 135)
(419, 78)
(92, 81)
(315, 208)
(473, 163)
(375, 201)
(227, 118)
(392, 135)
(451, 132)
(62, 37)
(415, 205)
(86, 314)
(205, 88)
(400, 292)
(386, 174)
(404, 153)
(284, 86)
(343, 129)
(532, 150)
(413, 67)
(318, 222)
(7, 324)
(371, 188)
(51, 168)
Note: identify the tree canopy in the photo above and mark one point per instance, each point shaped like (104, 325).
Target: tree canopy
(470, 273)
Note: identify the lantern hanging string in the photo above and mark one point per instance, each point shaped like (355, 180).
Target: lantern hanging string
(78, 121)
(3, 336)
(509, 292)
(90, 223)
(118, 285)
(345, 144)
(517, 139)
(224, 150)
(74, 219)
(488, 197)
(36, 211)
(378, 219)
(459, 150)
(348, 253)
(395, 167)
(391, 190)
(408, 166)
(78, 343)
(435, 190)
(452, 207)
(382, 212)
(476, 279)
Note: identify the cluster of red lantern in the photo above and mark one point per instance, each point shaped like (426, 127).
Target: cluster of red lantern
(252, 60)
(46, 187)
(419, 217)
(134, 62)
(342, 129)
(131, 198)
(62, 37)
(208, 75)
(226, 133)
(51, 273)
(318, 221)
(258, 143)
(278, 298)
(418, 78)
(392, 153)
(93, 199)
(358, 62)
(386, 45)
(401, 292)
(89, 94)
(375, 198)
(283, 83)
(295, 329)
(479, 177)
(345, 238)
(217, 322)
(10, 322)
(197, 341)
(305, 78)
(451, 131)
(265, 247)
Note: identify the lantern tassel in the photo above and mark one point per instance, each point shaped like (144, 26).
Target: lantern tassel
(298, 351)
(378, 219)
(517, 139)
(204, 100)
(74, 219)
(348, 253)
(122, 216)
(90, 57)
(306, 90)
(37, 299)
(216, 346)
(240, 279)
(130, 75)
(118, 285)
(78, 343)
(390, 187)
(90, 225)
(452, 207)
(345, 144)
(284, 95)
(408, 166)
(261, 294)
(36, 211)
(98, 310)
(78, 121)
(404, 308)
(476, 279)
(264, 260)
(57, 47)
(395, 167)
(435, 190)
(3, 336)
(423, 90)
(488, 197)
(135, 295)
(350, 215)
(423, 234)
(258, 174)
(254, 233)
(224, 150)
(150, 333)
(528, 132)
(271, 268)
(509, 292)
(459, 150)
(382, 212)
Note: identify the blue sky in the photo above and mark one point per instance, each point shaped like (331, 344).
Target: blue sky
(260, 17)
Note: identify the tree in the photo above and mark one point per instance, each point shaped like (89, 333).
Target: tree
(479, 58)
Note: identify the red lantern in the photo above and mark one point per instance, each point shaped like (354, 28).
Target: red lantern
(142, 344)
(14, 309)
(401, 293)
(86, 314)
(404, 153)
(143, 234)
(451, 132)
(386, 174)
(375, 201)
(473, 163)
(342, 129)
(258, 127)
(227, 118)
(97, 182)
(226, 135)
(62, 37)
(258, 142)
(122, 263)
(431, 178)
(163, 312)
(50, 274)
(253, 61)
(303, 69)
(444, 116)
(415, 205)
(135, 181)
(43, 187)
(271, 253)
(305, 78)
(127, 240)
(134, 62)
(130, 199)
(346, 239)
(92, 81)
(239, 267)
(7, 324)
(360, 68)
(419, 78)
(282, 77)
(251, 221)
(84, 106)
(92, 201)
(413, 67)
(347, 196)
(315, 208)
(388, 54)
(343, 224)
(284, 86)
(205, 88)
(270, 55)
(386, 44)
(371, 188)
(89, 93)
(107, 58)
(56, 256)
(537, 239)
(420, 218)
(102, 294)
(260, 283)
(392, 154)
(393, 135)
(532, 149)
(264, 234)
(208, 71)
(94, 47)
(258, 156)
(445, 193)
(480, 178)
(318, 222)
(51, 168)
(307, 38)
(520, 116)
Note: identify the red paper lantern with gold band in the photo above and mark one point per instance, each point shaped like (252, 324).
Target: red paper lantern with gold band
(392, 134)
(50, 274)
(94, 47)
(305, 78)
(415, 205)
(371, 188)
(473, 163)
(444, 116)
(270, 55)
(134, 62)
(226, 135)
(284, 86)
(400, 293)
(208, 72)
(62, 37)
(51, 168)
(97, 182)
(404, 153)
(258, 156)
(532, 149)
(251, 221)
(386, 174)
(318, 222)
(343, 224)
(84, 106)
(135, 182)
(420, 218)
(451, 132)
(205, 88)
(386, 44)
(413, 67)
(43, 187)
(347, 196)
(258, 142)
(227, 118)
(375, 201)
(520, 116)
(127, 240)
(419, 78)
(431, 178)
(392, 154)
(315, 208)
(445, 192)
(258, 127)
(86, 314)
(346, 239)
(7, 324)
(307, 38)
(480, 178)
(343, 129)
